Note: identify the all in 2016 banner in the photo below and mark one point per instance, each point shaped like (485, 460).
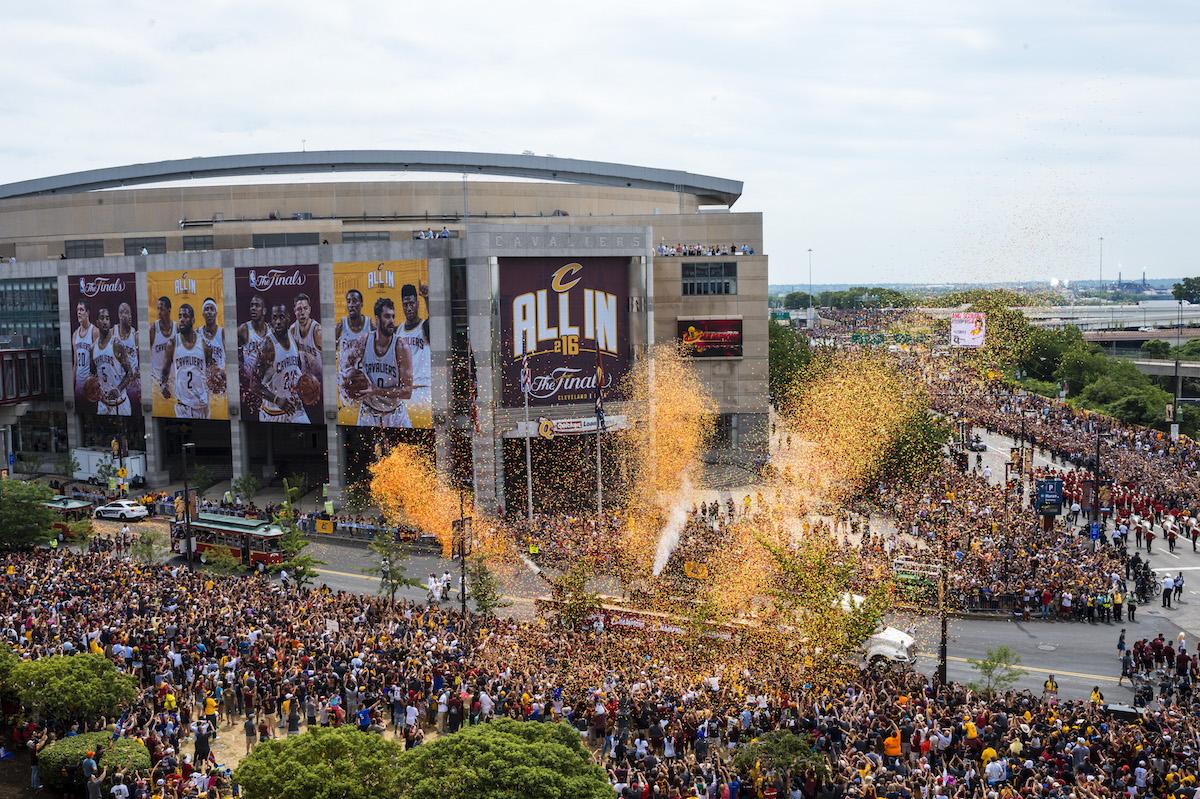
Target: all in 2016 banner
(559, 312)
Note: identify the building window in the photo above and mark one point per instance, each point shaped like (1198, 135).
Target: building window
(709, 278)
(357, 236)
(153, 245)
(84, 248)
(264, 240)
(197, 243)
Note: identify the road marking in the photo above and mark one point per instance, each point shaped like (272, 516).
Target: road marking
(1178, 569)
(1038, 669)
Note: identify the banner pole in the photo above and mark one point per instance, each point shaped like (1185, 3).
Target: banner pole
(528, 462)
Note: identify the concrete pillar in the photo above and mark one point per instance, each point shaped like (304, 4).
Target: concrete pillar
(335, 436)
(239, 448)
(157, 474)
(481, 278)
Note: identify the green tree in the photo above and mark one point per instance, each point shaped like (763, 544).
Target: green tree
(24, 518)
(1156, 348)
(62, 689)
(916, 452)
(787, 355)
(503, 759)
(1188, 289)
(576, 600)
(781, 752)
(247, 486)
(389, 556)
(146, 546)
(997, 671)
(323, 763)
(1080, 366)
(299, 565)
(483, 588)
(201, 478)
(796, 300)
(60, 762)
(8, 661)
(222, 563)
(1046, 348)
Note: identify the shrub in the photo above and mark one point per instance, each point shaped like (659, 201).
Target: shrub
(60, 762)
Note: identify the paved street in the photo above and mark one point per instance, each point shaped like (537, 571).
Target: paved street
(1187, 614)
(1080, 655)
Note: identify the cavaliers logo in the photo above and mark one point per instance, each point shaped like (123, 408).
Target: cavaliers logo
(559, 282)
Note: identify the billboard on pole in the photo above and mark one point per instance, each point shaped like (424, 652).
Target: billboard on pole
(968, 329)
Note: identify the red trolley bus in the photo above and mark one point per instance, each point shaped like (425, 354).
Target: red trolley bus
(252, 541)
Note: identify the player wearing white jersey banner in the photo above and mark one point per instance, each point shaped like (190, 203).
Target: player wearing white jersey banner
(350, 330)
(127, 335)
(162, 335)
(383, 379)
(251, 336)
(414, 335)
(110, 364)
(307, 334)
(81, 345)
(277, 373)
(214, 336)
(190, 358)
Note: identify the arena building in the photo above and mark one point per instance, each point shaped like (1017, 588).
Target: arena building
(292, 327)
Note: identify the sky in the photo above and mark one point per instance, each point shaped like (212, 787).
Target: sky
(901, 142)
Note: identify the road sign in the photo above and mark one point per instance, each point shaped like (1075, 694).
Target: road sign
(1095, 531)
(122, 473)
(1050, 495)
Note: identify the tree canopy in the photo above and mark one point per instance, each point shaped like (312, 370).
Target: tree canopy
(323, 763)
(24, 518)
(1187, 289)
(783, 752)
(61, 760)
(787, 355)
(62, 689)
(502, 759)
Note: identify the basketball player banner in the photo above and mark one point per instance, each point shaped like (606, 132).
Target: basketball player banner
(557, 311)
(381, 338)
(279, 343)
(186, 337)
(104, 344)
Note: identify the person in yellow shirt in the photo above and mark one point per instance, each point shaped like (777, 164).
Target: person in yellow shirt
(989, 754)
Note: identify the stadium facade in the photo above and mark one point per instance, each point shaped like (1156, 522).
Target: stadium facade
(293, 327)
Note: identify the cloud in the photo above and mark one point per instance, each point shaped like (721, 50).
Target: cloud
(920, 141)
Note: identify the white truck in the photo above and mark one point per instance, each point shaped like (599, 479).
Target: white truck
(96, 464)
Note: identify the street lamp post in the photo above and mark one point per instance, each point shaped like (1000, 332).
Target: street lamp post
(187, 502)
(1007, 523)
(810, 287)
(943, 645)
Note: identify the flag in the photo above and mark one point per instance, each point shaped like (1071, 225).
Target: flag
(599, 389)
(471, 377)
(526, 375)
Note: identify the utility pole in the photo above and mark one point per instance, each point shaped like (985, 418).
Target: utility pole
(1101, 264)
(810, 287)
(187, 504)
(944, 592)
(526, 388)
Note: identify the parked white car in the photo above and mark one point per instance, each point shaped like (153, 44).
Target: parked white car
(122, 509)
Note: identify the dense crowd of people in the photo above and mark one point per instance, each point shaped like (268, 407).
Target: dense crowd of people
(245, 657)
(697, 248)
